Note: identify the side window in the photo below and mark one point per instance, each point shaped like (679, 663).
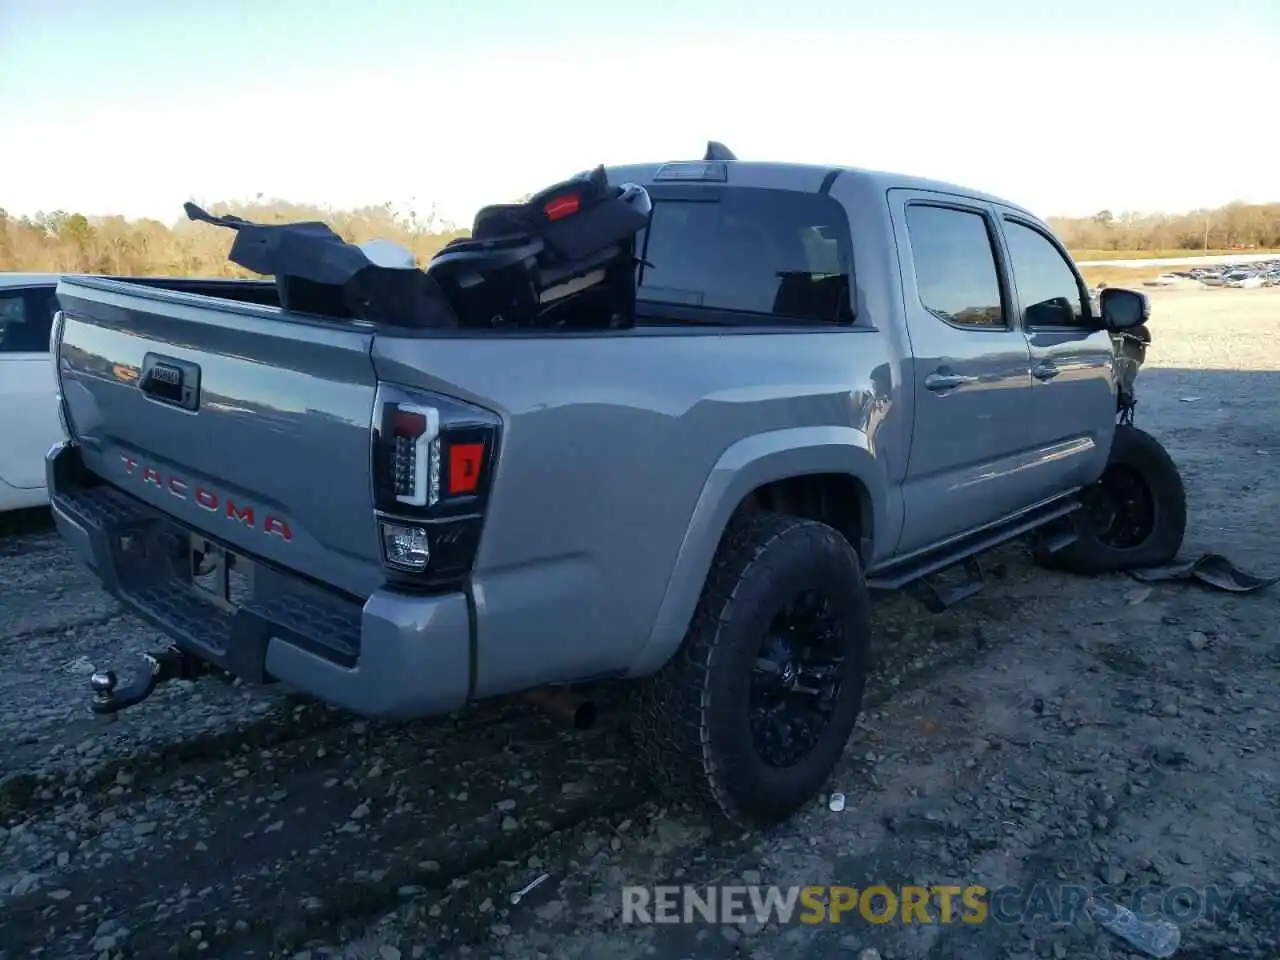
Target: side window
(25, 318)
(778, 254)
(956, 274)
(1047, 285)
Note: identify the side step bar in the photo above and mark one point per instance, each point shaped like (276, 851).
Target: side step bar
(937, 598)
(912, 570)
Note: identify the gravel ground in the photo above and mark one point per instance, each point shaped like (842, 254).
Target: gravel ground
(1054, 730)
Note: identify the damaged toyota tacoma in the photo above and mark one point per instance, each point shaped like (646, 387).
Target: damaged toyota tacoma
(672, 423)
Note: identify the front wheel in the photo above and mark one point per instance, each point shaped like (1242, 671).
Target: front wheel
(1134, 516)
(753, 712)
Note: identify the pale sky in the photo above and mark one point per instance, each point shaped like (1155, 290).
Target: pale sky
(134, 106)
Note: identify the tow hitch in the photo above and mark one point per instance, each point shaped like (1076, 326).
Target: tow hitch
(110, 697)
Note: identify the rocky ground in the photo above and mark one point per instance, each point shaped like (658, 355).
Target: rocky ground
(1054, 731)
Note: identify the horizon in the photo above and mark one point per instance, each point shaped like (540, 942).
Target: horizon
(178, 101)
(273, 206)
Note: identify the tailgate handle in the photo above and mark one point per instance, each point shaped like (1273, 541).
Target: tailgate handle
(169, 380)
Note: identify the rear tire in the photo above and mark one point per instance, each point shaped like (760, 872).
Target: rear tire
(1134, 517)
(785, 603)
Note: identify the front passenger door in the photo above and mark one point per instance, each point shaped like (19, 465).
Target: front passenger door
(1073, 399)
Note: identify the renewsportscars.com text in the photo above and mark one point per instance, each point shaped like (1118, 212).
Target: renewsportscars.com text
(939, 903)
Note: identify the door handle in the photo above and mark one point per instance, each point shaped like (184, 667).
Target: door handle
(171, 381)
(939, 381)
(1045, 370)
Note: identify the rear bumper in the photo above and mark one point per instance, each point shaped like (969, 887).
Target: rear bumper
(395, 656)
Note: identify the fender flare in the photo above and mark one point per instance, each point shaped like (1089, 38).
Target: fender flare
(743, 467)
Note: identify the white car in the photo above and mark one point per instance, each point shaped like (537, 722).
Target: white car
(28, 404)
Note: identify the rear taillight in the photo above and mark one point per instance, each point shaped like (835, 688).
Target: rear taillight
(433, 458)
(415, 453)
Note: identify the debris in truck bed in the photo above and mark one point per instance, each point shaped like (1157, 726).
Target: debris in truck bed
(523, 265)
(318, 272)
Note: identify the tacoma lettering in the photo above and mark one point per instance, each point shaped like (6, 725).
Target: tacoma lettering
(243, 514)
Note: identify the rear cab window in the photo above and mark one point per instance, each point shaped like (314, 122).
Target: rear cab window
(745, 255)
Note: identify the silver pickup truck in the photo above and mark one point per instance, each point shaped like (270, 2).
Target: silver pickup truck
(809, 384)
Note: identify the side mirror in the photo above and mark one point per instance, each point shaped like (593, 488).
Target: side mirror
(1123, 309)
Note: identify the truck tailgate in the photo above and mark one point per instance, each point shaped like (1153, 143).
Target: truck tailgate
(247, 424)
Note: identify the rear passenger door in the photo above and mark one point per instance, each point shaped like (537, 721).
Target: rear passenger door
(971, 370)
(1073, 400)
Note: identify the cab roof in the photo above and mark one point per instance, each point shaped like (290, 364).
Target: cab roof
(798, 176)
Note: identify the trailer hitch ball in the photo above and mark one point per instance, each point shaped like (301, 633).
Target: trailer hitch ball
(110, 696)
(103, 685)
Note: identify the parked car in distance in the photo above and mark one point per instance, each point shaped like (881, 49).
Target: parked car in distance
(28, 390)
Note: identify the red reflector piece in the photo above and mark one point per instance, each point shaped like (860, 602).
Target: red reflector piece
(465, 460)
(562, 207)
(406, 424)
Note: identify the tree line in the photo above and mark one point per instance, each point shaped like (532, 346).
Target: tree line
(62, 242)
(1235, 226)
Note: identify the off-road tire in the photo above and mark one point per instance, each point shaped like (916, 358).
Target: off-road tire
(690, 720)
(1146, 457)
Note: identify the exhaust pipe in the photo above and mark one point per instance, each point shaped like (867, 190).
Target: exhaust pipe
(563, 703)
